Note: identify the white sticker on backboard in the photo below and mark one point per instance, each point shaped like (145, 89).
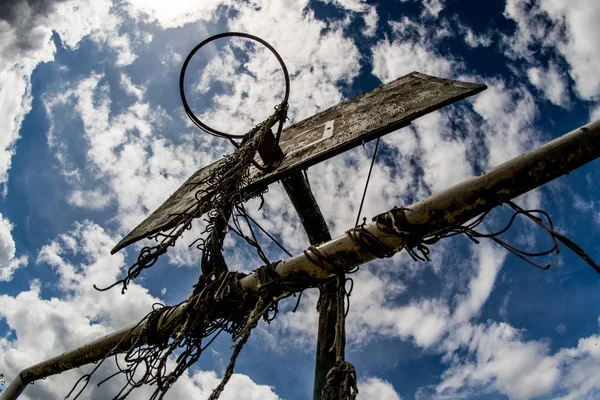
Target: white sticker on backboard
(308, 138)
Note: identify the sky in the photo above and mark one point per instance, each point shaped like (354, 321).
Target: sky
(95, 138)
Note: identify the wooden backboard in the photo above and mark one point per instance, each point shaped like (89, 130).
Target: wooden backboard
(324, 135)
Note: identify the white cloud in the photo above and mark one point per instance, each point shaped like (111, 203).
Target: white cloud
(371, 18)
(489, 261)
(126, 152)
(350, 5)
(444, 157)
(502, 362)
(26, 42)
(93, 199)
(318, 59)
(375, 388)
(90, 244)
(579, 363)
(433, 7)
(551, 83)
(240, 386)
(340, 205)
(506, 138)
(8, 262)
(368, 12)
(473, 39)
(174, 14)
(568, 29)
(43, 327)
(501, 359)
(424, 320)
(16, 67)
(411, 49)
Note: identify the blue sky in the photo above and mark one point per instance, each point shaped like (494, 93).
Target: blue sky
(95, 138)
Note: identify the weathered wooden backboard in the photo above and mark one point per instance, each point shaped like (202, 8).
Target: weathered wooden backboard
(324, 135)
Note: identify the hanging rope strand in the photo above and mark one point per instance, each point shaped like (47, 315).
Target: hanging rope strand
(367, 182)
(263, 230)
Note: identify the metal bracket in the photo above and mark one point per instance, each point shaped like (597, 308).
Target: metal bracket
(269, 150)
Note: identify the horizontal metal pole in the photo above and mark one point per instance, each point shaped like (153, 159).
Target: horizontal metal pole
(450, 207)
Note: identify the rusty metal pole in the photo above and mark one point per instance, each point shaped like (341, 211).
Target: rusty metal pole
(452, 206)
(303, 200)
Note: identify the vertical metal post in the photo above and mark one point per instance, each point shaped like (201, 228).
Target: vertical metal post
(301, 196)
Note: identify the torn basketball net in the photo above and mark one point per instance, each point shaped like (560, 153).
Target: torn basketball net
(217, 303)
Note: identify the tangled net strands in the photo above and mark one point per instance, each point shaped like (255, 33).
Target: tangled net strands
(220, 306)
(217, 303)
(219, 192)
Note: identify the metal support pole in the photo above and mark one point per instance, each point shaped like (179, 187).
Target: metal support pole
(301, 196)
(15, 389)
(452, 206)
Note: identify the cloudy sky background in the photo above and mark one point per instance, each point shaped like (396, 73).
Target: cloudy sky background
(95, 137)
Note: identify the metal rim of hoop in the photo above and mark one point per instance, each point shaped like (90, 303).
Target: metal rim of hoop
(186, 106)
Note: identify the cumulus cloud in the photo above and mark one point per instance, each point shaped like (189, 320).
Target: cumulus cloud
(8, 262)
(44, 327)
(551, 83)
(433, 7)
(93, 199)
(375, 388)
(473, 39)
(444, 156)
(371, 18)
(318, 60)
(174, 14)
(13, 10)
(566, 29)
(361, 7)
(411, 49)
(240, 386)
(506, 138)
(136, 165)
(16, 67)
(501, 359)
(26, 41)
(424, 320)
(502, 362)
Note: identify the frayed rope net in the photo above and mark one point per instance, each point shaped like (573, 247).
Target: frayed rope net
(217, 303)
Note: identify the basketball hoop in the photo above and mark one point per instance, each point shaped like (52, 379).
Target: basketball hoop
(204, 126)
